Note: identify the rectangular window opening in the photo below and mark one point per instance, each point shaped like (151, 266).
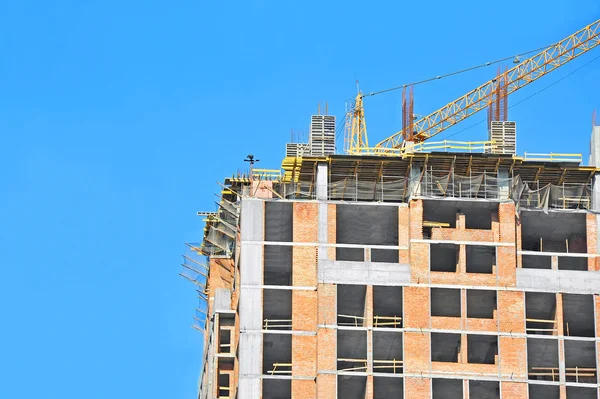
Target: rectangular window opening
(484, 389)
(278, 265)
(445, 388)
(581, 393)
(481, 259)
(537, 262)
(445, 213)
(277, 354)
(351, 305)
(482, 349)
(387, 307)
(385, 388)
(276, 388)
(279, 221)
(350, 387)
(445, 347)
(277, 309)
(443, 257)
(542, 359)
(540, 313)
(387, 352)
(481, 304)
(352, 351)
(553, 232)
(578, 315)
(445, 302)
(570, 263)
(224, 388)
(537, 391)
(580, 361)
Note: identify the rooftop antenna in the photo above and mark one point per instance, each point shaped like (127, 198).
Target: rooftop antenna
(250, 158)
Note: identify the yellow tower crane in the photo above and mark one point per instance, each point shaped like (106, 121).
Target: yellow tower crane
(474, 101)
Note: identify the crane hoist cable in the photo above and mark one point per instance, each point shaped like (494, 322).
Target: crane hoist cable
(525, 72)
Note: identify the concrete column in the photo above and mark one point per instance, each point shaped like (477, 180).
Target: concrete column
(322, 179)
(503, 184)
(414, 183)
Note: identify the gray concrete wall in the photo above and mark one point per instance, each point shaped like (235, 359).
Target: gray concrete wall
(250, 305)
(222, 301)
(347, 272)
(566, 281)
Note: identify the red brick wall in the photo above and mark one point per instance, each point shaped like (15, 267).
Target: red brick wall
(415, 387)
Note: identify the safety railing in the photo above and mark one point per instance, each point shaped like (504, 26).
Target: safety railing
(387, 321)
(224, 393)
(274, 324)
(554, 372)
(541, 330)
(445, 145)
(395, 366)
(281, 368)
(266, 174)
(552, 157)
(359, 365)
(352, 321)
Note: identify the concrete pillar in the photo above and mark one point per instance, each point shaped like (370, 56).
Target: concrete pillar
(414, 182)
(322, 179)
(504, 184)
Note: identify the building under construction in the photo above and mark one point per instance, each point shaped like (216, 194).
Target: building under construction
(418, 270)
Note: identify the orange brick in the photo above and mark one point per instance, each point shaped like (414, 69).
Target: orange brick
(591, 234)
(327, 297)
(304, 389)
(514, 390)
(306, 221)
(304, 310)
(513, 356)
(304, 266)
(326, 349)
(304, 355)
(415, 387)
(511, 311)
(416, 307)
(417, 348)
(326, 386)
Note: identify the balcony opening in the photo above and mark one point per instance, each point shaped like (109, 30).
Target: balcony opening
(277, 309)
(481, 259)
(537, 391)
(352, 351)
(553, 232)
(484, 389)
(387, 352)
(481, 304)
(226, 332)
(445, 302)
(278, 265)
(445, 347)
(351, 305)
(580, 361)
(542, 359)
(482, 349)
(276, 388)
(445, 388)
(279, 224)
(578, 315)
(277, 354)
(540, 313)
(387, 307)
(384, 388)
(351, 387)
(443, 257)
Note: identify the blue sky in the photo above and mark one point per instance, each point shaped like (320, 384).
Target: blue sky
(118, 118)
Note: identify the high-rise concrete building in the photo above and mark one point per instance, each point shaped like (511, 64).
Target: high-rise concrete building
(434, 275)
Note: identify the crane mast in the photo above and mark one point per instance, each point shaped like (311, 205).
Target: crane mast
(479, 98)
